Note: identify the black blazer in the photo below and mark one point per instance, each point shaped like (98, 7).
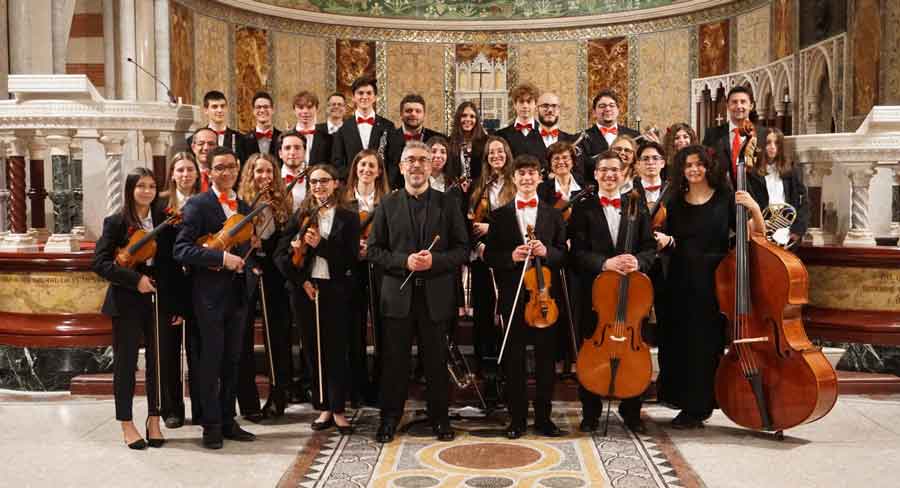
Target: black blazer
(719, 139)
(505, 235)
(546, 190)
(122, 296)
(347, 143)
(396, 143)
(797, 195)
(249, 146)
(393, 239)
(322, 143)
(593, 143)
(340, 249)
(173, 285)
(592, 243)
(202, 215)
(521, 144)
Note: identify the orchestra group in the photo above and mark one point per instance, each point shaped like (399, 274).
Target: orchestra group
(352, 231)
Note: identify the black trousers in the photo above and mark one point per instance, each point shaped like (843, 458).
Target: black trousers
(279, 334)
(361, 384)
(397, 344)
(128, 334)
(193, 348)
(171, 367)
(513, 364)
(221, 328)
(486, 334)
(334, 326)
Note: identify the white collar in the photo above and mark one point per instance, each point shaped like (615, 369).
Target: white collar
(359, 115)
(521, 198)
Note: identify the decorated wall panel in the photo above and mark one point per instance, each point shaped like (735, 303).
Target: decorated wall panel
(181, 25)
(664, 89)
(416, 68)
(251, 72)
(212, 57)
(753, 39)
(890, 55)
(821, 19)
(714, 49)
(550, 67)
(865, 51)
(301, 64)
(782, 28)
(608, 68)
(353, 59)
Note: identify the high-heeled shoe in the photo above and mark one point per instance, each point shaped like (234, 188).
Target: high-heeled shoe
(138, 445)
(151, 441)
(275, 404)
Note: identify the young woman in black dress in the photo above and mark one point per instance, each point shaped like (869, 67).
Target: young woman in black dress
(701, 215)
(130, 304)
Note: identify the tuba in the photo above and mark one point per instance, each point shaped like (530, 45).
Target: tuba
(779, 217)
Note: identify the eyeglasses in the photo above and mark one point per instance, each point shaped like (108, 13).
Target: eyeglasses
(623, 150)
(423, 160)
(225, 168)
(564, 158)
(604, 106)
(320, 181)
(651, 159)
(548, 106)
(262, 107)
(604, 169)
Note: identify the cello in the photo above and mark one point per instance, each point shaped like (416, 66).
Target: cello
(615, 362)
(772, 377)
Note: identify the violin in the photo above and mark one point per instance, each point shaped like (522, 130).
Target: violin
(658, 213)
(142, 244)
(235, 231)
(483, 208)
(365, 223)
(310, 221)
(772, 377)
(565, 206)
(615, 362)
(541, 310)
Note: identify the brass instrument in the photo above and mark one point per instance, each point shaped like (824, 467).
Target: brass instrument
(651, 130)
(779, 217)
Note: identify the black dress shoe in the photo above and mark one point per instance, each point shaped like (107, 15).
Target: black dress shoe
(236, 433)
(684, 421)
(212, 437)
(514, 431)
(549, 429)
(151, 441)
(174, 421)
(589, 425)
(317, 426)
(444, 432)
(138, 445)
(345, 429)
(386, 432)
(275, 404)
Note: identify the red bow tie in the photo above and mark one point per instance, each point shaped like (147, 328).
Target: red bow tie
(264, 135)
(224, 200)
(288, 179)
(615, 202)
(652, 187)
(370, 121)
(412, 137)
(220, 132)
(609, 130)
(551, 132)
(521, 127)
(307, 132)
(529, 204)
(558, 195)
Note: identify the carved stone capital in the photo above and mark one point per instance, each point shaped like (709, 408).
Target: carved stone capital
(159, 142)
(113, 141)
(814, 173)
(59, 141)
(860, 174)
(38, 147)
(14, 144)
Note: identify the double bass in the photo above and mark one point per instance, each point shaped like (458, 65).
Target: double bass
(772, 377)
(615, 362)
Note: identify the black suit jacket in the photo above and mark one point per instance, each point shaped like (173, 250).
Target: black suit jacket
(122, 296)
(505, 235)
(396, 143)
(322, 143)
(340, 249)
(347, 143)
(719, 139)
(531, 144)
(455, 166)
(173, 285)
(593, 143)
(393, 239)
(202, 215)
(249, 145)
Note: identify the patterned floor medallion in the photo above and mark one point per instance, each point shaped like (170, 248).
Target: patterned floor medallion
(480, 457)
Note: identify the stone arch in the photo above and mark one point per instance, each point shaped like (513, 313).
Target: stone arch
(818, 93)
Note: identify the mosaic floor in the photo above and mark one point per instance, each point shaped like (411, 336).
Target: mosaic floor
(481, 457)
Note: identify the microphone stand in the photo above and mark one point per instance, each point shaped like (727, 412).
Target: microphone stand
(172, 98)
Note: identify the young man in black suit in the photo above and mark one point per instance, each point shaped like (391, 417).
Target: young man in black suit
(726, 141)
(523, 135)
(599, 137)
(405, 224)
(412, 128)
(316, 136)
(215, 107)
(506, 250)
(594, 223)
(365, 130)
(220, 298)
(548, 108)
(264, 138)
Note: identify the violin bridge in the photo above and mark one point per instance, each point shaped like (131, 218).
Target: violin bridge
(617, 338)
(751, 339)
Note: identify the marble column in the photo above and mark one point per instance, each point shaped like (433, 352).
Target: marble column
(77, 184)
(4, 52)
(60, 24)
(37, 191)
(779, 117)
(114, 143)
(145, 52)
(30, 37)
(4, 193)
(895, 203)
(163, 69)
(860, 233)
(61, 194)
(127, 49)
(109, 49)
(813, 176)
(159, 147)
(18, 239)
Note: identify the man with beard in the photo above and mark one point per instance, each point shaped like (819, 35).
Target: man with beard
(317, 137)
(412, 128)
(365, 130)
(598, 138)
(548, 117)
(418, 237)
(292, 152)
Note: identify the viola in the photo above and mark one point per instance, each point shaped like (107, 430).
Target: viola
(483, 208)
(310, 220)
(142, 244)
(541, 310)
(365, 223)
(235, 231)
(615, 362)
(772, 377)
(565, 206)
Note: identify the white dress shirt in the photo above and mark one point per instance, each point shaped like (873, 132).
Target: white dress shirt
(550, 139)
(365, 130)
(332, 128)
(573, 187)
(651, 196)
(494, 193)
(181, 198)
(438, 182)
(526, 216)
(264, 143)
(774, 185)
(320, 265)
(613, 218)
(308, 138)
(609, 136)
(365, 203)
(525, 132)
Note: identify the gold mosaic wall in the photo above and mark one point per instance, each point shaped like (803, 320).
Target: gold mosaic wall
(550, 67)
(664, 89)
(251, 72)
(416, 68)
(753, 39)
(301, 64)
(890, 55)
(212, 58)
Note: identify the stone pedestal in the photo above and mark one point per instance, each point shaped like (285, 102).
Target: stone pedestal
(860, 232)
(62, 243)
(813, 175)
(19, 243)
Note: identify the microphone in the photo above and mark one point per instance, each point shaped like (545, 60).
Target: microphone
(172, 98)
